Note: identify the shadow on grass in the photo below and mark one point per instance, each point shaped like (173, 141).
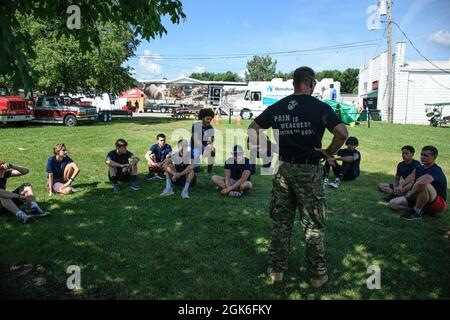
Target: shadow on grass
(137, 245)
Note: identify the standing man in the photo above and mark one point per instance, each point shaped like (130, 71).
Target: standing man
(202, 140)
(333, 92)
(120, 166)
(158, 158)
(301, 121)
(404, 169)
(61, 171)
(428, 194)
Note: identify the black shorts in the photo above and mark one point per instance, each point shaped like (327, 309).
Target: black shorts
(125, 177)
(181, 182)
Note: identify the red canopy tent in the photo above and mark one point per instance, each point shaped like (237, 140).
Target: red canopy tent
(132, 94)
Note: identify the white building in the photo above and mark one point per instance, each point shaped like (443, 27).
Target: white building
(415, 83)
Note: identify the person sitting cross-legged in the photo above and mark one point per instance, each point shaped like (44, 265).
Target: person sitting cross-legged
(158, 158)
(238, 171)
(23, 195)
(349, 170)
(404, 169)
(61, 171)
(428, 194)
(120, 166)
(180, 171)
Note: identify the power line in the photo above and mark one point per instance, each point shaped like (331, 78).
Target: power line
(418, 51)
(353, 45)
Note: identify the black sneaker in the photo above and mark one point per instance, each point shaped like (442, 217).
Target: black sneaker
(40, 214)
(135, 186)
(116, 188)
(412, 215)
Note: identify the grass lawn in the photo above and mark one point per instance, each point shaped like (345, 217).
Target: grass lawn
(135, 245)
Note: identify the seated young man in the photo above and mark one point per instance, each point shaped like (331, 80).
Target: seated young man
(349, 170)
(157, 158)
(202, 140)
(120, 166)
(238, 172)
(61, 171)
(428, 194)
(23, 195)
(180, 171)
(404, 169)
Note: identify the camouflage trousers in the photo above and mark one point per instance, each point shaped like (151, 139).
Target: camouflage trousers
(298, 185)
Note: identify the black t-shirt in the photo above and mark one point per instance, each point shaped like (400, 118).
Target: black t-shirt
(355, 164)
(237, 169)
(404, 169)
(119, 158)
(8, 174)
(301, 121)
(439, 180)
(201, 133)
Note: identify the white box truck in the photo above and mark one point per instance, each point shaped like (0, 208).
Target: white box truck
(259, 95)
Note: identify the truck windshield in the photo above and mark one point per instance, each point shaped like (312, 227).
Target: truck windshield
(4, 92)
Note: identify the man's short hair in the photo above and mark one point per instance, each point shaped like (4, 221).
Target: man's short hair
(183, 143)
(161, 135)
(432, 149)
(121, 143)
(57, 148)
(331, 85)
(352, 140)
(304, 75)
(409, 148)
(205, 113)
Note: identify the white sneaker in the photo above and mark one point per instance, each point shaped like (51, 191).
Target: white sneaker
(325, 181)
(185, 195)
(334, 185)
(167, 192)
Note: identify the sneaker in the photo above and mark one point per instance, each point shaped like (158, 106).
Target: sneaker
(334, 185)
(26, 219)
(135, 186)
(325, 181)
(167, 192)
(161, 176)
(235, 194)
(185, 195)
(116, 188)
(40, 214)
(317, 282)
(150, 177)
(411, 215)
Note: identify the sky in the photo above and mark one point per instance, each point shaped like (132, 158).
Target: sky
(220, 36)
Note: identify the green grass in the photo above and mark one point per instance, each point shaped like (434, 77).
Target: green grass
(136, 245)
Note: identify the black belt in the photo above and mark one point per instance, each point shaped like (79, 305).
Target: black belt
(299, 160)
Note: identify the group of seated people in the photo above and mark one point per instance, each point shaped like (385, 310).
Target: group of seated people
(419, 188)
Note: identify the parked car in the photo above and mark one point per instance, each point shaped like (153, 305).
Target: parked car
(12, 108)
(151, 107)
(61, 109)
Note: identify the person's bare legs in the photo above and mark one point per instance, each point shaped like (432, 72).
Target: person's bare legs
(427, 195)
(219, 181)
(399, 204)
(247, 185)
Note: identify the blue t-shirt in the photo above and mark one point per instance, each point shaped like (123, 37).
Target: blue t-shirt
(161, 153)
(237, 169)
(439, 180)
(119, 158)
(404, 169)
(8, 174)
(206, 132)
(333, 94)
(354, 166)
(57, 167)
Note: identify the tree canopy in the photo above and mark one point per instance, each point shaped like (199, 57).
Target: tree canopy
(142, 17)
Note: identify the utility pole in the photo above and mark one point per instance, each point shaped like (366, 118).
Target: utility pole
(390, 115)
